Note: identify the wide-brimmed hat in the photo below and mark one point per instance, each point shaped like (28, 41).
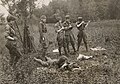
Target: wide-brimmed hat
(59, 18)
(43, 17)
(10, 18)
(80, 18)
(67, 16)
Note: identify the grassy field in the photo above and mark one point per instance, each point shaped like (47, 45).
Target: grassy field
(102, 69)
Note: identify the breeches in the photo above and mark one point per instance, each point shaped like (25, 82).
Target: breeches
(82, 36)
(70, 39)
(14, 52)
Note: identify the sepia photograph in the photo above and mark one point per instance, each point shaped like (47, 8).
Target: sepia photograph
(59, 41)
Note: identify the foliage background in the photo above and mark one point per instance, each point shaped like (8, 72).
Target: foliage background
(88, 9)
(104, 31)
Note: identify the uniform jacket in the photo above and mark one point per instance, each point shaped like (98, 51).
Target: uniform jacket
(42, 27)
(67, 27)
(81, 27)
(11, 34)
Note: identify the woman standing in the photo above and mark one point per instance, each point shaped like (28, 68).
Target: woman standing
(11, 42)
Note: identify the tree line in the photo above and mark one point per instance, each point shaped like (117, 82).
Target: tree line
(88, 9)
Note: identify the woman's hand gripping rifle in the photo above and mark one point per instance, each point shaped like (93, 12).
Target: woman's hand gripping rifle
(60, 29)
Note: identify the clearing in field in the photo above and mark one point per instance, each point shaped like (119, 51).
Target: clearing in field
(102, 68)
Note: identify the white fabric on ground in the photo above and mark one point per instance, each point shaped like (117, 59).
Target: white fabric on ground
(81, 56)
(97, 49)
(56, 50)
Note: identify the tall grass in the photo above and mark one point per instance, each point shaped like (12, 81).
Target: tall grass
(102, 33)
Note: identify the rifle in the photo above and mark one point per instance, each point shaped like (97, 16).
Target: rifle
(82, 23)
(63, 28)
(19, 32)
(60, 29)
(60, 26)
(87, 23)
(32, 43)
(70, 26)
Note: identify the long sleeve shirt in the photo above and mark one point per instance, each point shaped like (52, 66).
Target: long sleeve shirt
(9, 33)
(80, 25)
(67, 27)
(58, 26)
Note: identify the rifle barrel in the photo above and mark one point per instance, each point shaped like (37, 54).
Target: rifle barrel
(19, 32)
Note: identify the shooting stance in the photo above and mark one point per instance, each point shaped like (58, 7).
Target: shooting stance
(43, 35)
(11, 43)
(69, 36)
(80, 24)
(60, 36)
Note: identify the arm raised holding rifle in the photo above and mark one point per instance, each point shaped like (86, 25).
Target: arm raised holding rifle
(60, 36)
(61, 29)
(64, 28)
(69, 36)
(81, 25)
